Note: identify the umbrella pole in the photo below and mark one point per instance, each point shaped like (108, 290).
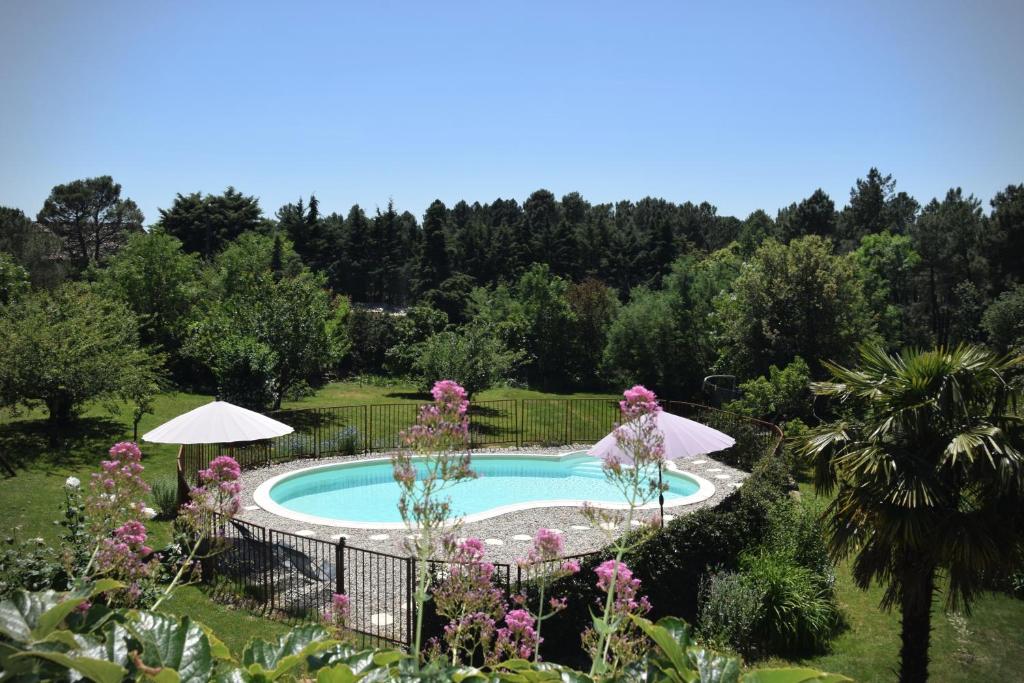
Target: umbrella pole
(661, 498)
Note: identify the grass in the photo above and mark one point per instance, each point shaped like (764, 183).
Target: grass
(983, 646)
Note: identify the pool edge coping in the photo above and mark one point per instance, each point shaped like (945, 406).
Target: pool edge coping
(261, 495)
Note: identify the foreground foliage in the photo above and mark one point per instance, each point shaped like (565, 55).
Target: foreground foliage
(61, 636)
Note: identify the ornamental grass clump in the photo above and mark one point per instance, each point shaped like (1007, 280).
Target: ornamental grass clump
(435, 457)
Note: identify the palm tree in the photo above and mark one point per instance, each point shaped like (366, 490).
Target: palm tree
(929, 479)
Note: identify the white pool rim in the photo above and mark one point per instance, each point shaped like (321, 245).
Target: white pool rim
(261, 496)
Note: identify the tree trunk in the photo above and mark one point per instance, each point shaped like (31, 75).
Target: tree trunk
(916, 617)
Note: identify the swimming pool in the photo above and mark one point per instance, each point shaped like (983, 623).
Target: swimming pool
(363, 493)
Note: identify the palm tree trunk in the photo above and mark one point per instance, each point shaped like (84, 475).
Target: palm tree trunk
(916, 616)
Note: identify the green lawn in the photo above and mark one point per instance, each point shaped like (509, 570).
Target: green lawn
(984, 646)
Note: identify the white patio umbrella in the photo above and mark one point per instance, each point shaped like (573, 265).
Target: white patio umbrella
(683, 438)
(217, 422)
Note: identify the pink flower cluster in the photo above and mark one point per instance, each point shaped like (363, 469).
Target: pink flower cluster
(518, 637)
(337, 613)
(117, 490)
(638, 401)
(442, 424)
(219, 491)
(126, 557)
(626, 587)
(468, 598)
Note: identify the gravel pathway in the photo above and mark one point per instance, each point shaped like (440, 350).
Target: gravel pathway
(507, 536)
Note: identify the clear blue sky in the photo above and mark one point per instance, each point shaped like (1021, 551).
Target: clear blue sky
(751, 106)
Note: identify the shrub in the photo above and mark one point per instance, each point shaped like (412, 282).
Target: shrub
(781, 396)
(165, 497)
(798, 614)
(472, 356)
(730, 610)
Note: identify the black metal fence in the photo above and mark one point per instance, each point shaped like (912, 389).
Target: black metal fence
(295, 576)
(351, 430)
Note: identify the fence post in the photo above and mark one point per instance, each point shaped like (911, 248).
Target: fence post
(339, 567)
(568, 420)
(268, 565)
(316, 434)
(367, 436)
(410, 579)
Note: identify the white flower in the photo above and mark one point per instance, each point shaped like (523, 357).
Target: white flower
(72, 482)
(148, 513)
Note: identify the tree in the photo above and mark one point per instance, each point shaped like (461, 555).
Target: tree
(548, 316)
(594, 306)
(949, 238)
(473, 356)
(66, 348)
(205, 223)
(781, 396)
(1008, 239)
(867, 211)
(886, 263)
(1004, 321)
(928, 479)
(815, 215)
(13, 280)
(792, 300)
(33, 247)
(159, 283)
(91, 218)
(646, 345)
(277, 326)
(431, 267)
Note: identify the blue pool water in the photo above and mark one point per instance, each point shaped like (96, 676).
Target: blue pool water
(367, 493)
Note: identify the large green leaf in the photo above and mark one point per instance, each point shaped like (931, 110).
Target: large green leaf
(20, 613)
(270, 661)
(713, 667)
(339, 673)
(168, 643)
(668, 636)
(55, 616)
(793, 676)
(97, 670)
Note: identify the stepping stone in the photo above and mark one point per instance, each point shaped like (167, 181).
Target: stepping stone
(494, 541)
(699, 462)
(714, 469)
(669, 518)
(414, 537)
(522, 537)
(608, 526)
(636, 522)
(557, 531)
(338, 537)
(305, 532)
(721, 476)
(382, 619)
(250, 508)
(380, 537)
(737, 484)
(579, 527)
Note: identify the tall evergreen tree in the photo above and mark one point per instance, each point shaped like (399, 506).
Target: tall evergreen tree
(431, 267)
(205, 224)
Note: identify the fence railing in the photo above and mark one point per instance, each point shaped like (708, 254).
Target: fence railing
(295, 576)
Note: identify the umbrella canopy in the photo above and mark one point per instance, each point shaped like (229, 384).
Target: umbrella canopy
(217, 422)
(683, 439)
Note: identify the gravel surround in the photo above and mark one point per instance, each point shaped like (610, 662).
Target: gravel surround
(508, 528)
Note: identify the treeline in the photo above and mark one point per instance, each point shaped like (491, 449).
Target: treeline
(554, 293)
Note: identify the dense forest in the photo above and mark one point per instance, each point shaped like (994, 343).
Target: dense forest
(559, 294)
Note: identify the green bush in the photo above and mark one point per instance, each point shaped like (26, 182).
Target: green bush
(472, 356)
(165, 497)
(730, 611)
(798, 613)
(781, 396)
